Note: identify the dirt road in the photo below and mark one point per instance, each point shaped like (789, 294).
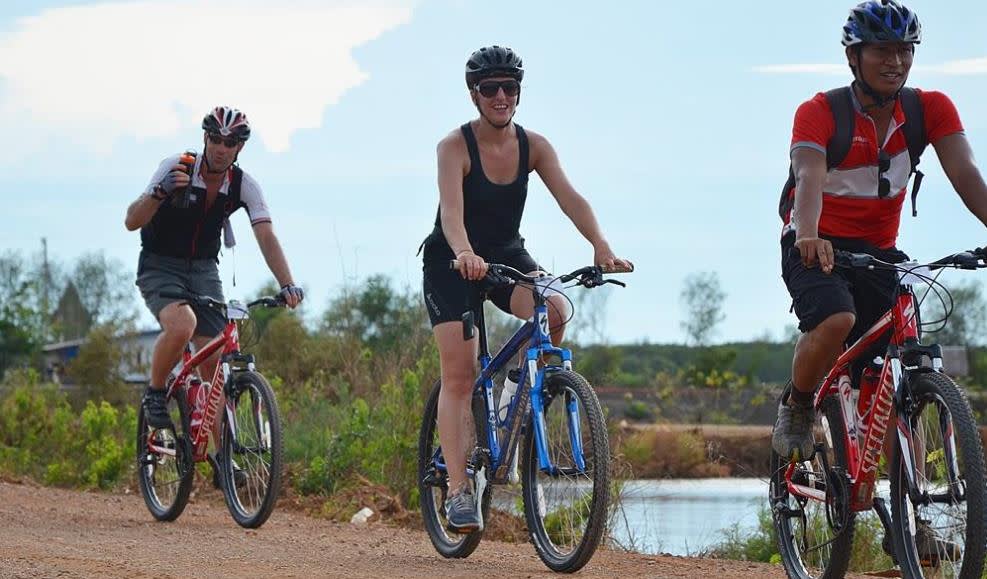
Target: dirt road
(47, 532)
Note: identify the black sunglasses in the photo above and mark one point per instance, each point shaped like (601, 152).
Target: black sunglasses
(489, 88)
(883, 183)
(230, 142)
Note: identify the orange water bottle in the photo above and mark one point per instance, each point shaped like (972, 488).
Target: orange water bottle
(187, 160)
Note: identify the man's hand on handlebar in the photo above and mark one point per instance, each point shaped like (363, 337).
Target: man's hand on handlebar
(291, 295)
(816, 251)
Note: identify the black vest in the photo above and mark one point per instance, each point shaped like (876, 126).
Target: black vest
(193, 232)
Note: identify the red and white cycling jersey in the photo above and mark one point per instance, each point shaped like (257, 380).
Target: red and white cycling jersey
(851, 205)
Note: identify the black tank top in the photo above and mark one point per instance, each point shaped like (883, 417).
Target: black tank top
(491, 212)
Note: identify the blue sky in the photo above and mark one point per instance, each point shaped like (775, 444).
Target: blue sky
(673, 121)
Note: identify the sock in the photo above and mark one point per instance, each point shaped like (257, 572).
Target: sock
(799, 397)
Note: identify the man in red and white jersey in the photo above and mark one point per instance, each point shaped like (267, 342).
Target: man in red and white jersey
(855, 204)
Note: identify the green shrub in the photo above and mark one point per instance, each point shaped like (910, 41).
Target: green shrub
(43, 437)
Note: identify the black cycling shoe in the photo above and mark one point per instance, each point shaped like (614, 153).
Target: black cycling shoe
(931, 549)
(239, 475)
(155, 406)
(461, 514)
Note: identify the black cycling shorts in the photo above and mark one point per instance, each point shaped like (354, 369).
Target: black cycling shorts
(817, 295)
(448, 296)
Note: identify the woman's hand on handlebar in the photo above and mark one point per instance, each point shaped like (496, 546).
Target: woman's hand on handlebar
(471, 266)
(604, 257)
(816, 251)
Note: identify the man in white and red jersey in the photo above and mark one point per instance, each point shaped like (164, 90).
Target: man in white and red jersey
(181, 215)
(856, 204)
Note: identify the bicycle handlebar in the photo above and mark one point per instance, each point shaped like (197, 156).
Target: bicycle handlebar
(970, 259)
(589, 276)
(206, 301)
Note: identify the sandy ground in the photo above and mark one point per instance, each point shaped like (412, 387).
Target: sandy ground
(46, 532)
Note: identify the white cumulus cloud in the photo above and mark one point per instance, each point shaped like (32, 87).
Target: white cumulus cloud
(147, 69)
(964, 67)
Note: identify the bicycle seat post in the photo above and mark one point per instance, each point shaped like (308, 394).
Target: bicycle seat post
(481, 326)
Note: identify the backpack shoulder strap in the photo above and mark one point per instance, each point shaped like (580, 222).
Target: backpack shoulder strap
(236, 182)
(915, 136)
(841, 105)
(844, 118)
(914, 127)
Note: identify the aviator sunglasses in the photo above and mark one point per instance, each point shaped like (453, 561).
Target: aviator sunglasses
(489, 88)
(883, 183)
(230, 142)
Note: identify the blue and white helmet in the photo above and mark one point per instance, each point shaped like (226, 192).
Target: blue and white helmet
(881, 21)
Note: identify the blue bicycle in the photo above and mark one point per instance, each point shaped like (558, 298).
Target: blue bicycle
(555, 421)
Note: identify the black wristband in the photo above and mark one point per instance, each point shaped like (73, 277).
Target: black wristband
(159, 193)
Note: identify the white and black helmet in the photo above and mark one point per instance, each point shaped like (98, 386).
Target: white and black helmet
(227, 121)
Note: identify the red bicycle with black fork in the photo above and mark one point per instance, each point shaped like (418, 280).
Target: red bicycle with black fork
(250, 452)
(937, 519)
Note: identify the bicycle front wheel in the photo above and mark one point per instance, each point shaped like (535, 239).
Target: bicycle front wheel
(815, 536)
(433, 486)
(942, 533)
(164, 462)
(566, 504)
(250, 462)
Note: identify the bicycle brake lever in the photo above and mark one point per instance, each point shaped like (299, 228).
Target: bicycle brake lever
(615, 282)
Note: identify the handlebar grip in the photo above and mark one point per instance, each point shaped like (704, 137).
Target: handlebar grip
(617, 269)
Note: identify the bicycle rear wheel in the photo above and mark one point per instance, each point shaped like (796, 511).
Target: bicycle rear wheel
(433, 485)
(950, 472)
(566, 508)
(165, 477)
(250, 462)
(815, 537)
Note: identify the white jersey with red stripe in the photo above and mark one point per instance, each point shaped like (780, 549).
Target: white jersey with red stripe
(852, 207)
(250, 192)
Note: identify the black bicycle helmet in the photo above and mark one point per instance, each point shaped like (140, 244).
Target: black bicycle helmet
(493, 61)
(881, 21)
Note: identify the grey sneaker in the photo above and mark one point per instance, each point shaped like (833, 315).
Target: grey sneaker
(461, 515)
(792, 435)
(239, 475)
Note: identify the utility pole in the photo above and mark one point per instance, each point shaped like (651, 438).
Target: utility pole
(45, 289)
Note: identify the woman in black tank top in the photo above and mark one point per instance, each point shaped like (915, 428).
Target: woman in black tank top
(483, 169)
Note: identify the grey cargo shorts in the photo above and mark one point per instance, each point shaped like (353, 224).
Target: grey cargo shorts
(199, 276)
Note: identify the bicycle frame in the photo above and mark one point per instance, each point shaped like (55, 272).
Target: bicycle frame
(864, 435)
(534, 332)
(229, 342)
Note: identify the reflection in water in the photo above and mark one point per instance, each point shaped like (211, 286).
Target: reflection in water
(686, 517)
(681, 517)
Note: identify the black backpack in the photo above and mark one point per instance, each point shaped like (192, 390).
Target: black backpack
(841, 103)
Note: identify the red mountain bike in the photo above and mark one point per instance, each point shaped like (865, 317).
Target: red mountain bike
(250, 454)
(937, 481)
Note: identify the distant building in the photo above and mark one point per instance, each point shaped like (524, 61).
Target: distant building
(135, 367)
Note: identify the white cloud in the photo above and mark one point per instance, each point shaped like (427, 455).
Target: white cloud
(801, 69)
(146, 69)
(965, 67)
(969, 66)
